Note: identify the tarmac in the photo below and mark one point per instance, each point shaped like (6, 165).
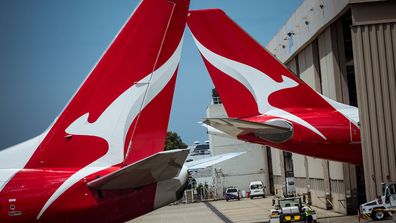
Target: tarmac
(244, 211)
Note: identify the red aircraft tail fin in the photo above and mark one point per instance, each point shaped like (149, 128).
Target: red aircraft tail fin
(120, 113)
(250, 81)
(118, 116)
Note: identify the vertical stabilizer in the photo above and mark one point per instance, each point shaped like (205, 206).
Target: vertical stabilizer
(250, 81)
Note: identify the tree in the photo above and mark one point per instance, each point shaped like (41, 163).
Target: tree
(173, 141)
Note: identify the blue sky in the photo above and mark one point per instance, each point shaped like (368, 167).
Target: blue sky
(48, 47)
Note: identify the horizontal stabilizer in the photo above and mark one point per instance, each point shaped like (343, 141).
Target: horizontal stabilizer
(276, 131)
(206, 162)
(158, 167)
(215, 132)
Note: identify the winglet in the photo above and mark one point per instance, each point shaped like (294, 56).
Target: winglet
(206, 162)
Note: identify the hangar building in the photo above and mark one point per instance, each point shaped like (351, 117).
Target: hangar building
(346, 50)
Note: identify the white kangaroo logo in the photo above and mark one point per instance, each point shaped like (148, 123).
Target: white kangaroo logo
(114, 122)
(253, 80)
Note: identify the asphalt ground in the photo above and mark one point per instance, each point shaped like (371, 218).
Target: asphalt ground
(244, 211)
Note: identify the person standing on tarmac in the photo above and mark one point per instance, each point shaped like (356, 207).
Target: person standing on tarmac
(308, 214)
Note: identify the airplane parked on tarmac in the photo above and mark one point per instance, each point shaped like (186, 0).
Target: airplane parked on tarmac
(265, 102)
(102, 160)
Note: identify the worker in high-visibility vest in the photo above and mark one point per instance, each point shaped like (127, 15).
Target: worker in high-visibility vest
(308, 214)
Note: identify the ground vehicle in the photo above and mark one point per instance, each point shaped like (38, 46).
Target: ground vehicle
(232, 193)
(256, 189)
(290, 188)
(377, 209)
(289, 209)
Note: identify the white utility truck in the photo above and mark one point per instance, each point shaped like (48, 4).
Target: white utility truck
(383, 206)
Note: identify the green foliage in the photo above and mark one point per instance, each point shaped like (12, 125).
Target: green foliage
(199, 190)
(173, 141)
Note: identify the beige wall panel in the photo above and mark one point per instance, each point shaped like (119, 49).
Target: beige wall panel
(382, 163)
(373, 125)
(374, 51)
(292, 65)
(391, 52)
(382, 86)
(298, 165)
(276, 163)
(327, 65)
(336, 170)
(282, 168)
(332, 63)
(278, 186)
(388, 81)
(363, 108)
(317, 193)
(307, 70)
(301, 185)
(308, 66)
(338, 196)
(315, 168)
(340, 70)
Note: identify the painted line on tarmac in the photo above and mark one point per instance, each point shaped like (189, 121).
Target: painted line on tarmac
(218, 213)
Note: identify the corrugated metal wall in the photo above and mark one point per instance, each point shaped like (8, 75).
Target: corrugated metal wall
(374, 63)
(374, 49)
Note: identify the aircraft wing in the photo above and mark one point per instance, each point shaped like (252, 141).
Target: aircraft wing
(276, 131)
(158, 167)
(206, 162)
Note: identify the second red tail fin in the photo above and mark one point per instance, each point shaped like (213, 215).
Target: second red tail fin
(250, 81)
